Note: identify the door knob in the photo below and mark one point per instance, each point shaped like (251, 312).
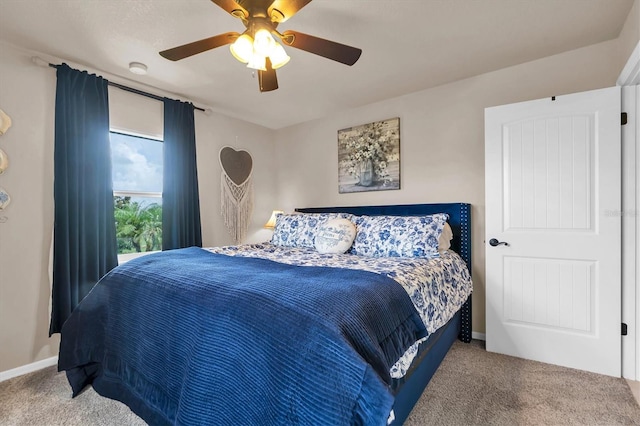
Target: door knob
(494, 243)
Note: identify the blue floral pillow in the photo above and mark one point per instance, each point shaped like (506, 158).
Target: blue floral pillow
(399, 236)
(300, 229)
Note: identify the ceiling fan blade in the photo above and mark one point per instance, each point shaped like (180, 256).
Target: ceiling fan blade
(200, 46)
(267, 79)
(230, 6)
(329, 49)
(287, 9)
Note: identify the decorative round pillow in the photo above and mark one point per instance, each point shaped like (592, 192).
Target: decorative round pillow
(335, 236)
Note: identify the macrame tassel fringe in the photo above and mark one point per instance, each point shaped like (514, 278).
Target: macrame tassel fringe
(236, 206)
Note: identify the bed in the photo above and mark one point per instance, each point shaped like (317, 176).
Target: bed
(218, 336)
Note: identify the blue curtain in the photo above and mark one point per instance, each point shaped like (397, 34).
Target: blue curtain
(85, 245)
(180, 199)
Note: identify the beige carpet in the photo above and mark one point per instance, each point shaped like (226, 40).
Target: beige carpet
(471, 387)
(475, 387)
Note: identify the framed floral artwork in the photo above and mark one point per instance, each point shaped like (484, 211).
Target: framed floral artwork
(369, 157)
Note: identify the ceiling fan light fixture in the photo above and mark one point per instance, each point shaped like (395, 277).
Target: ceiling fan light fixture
(242, 48)
(279, 57)
(263, 42)
(257, 62)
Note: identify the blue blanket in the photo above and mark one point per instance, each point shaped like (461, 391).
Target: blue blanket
(190, 337)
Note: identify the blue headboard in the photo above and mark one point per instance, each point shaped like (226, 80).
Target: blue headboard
(459, 219)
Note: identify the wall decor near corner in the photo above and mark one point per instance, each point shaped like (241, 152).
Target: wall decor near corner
(5, 199)
(5, 122)
(236, 191)
(369, 157)
(4, 161)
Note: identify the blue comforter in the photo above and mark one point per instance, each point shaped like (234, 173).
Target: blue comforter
(190, 337)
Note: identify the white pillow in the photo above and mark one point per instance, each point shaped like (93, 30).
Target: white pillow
(335, 236)
(444, 242)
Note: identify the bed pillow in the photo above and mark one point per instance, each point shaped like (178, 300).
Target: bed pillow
(335, 236)
(444, 242)
(299, 229)
(399, 236)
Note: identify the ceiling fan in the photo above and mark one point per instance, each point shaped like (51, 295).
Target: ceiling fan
(257, 46)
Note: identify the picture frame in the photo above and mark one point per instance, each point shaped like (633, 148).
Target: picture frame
(369, 157)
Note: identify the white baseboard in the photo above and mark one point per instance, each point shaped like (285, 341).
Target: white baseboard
(29, 368)
(478, 336)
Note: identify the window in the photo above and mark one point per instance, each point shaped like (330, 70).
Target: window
(137, 189)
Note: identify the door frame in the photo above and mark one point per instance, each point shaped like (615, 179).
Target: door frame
(629, 79)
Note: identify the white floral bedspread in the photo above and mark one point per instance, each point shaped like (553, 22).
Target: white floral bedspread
(438, 286)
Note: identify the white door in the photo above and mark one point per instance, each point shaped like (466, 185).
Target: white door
(553, 195)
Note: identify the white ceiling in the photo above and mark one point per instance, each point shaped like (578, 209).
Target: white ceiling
(408, 45)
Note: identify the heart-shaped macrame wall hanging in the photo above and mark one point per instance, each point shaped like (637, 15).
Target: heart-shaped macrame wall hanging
(236, 191)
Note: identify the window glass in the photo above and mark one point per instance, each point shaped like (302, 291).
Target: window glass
(137, 188)
(136, 163)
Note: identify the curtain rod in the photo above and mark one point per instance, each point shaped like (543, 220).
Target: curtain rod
(40, 61)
